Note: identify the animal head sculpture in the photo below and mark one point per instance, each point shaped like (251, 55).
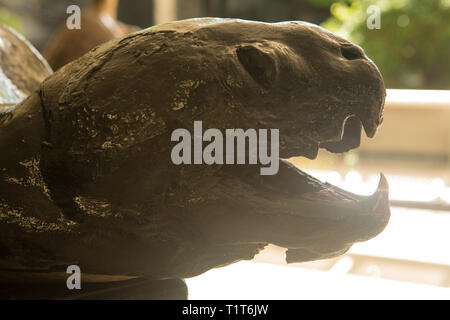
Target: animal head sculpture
(114, 201)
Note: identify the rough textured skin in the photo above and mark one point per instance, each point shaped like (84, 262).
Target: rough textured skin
(89, 181)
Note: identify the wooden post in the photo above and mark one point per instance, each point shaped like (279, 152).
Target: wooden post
(165, 11)
(108, 6)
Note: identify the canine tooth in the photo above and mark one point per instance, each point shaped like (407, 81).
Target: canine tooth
(370, 127)
(378, 202)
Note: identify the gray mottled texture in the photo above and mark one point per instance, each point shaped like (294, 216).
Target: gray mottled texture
(22, 68)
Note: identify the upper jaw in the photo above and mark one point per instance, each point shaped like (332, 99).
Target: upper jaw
(352, 126)
(341, 134)
(351, 137)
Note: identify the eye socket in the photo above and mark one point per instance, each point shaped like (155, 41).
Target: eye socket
(352, 53)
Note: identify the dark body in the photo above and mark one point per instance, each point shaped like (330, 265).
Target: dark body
(88, 178)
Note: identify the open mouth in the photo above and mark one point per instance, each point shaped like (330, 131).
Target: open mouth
(312, 219)
(342, 217)
(332, 218)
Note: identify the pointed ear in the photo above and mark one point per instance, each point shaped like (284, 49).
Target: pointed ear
(259, 64)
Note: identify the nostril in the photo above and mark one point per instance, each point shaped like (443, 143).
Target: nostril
(352, 53)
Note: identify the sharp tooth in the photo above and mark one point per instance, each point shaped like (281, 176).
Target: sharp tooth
(370, 127)
(378, 202)
(372, 117)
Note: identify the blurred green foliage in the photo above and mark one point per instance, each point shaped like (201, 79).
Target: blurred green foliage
(412, 48)
(11, 20)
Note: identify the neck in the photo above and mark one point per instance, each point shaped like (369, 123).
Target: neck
(25, 199)
(22, 131)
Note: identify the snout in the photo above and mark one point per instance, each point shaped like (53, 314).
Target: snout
(351, 51)
(362, 97)
(370, 91)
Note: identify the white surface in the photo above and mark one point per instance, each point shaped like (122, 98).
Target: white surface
(253, 280)
(416, 235)
(408, 98)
